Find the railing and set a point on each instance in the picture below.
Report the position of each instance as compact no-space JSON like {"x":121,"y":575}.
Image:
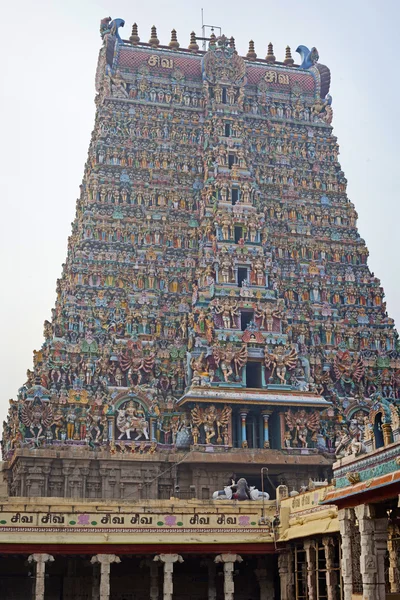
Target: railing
{"x":181,"y":494}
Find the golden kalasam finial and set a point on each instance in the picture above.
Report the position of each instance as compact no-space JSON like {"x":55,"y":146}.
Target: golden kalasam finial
{"x":174,"y":40}
{"x":270,"y":58}
{"x":288,"y":57}
{"x":232,"y":43}
{"x":134,"y":39}
{"x":154,"y":41}
{"x":193,"y":46}
{"x":213,"y":38}
{"x":251,"y":55}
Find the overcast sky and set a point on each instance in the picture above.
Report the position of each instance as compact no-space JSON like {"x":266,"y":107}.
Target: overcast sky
{"x":49,"y":55}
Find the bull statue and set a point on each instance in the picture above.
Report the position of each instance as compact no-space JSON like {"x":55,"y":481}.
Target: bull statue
{"x":240,"y":491}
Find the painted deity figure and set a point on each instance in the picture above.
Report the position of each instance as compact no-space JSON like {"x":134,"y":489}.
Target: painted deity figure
{"x":280,"y":362}
{"x":131,"y":418}
{"x":228,"y":311}
{"x":212,"y":421}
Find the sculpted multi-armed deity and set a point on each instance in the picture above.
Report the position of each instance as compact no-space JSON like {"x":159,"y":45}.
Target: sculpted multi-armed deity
{"x":280,"y":362}
{"x":230,"y":360}
{"x":214,"y":248}
{"x":214,"y":422}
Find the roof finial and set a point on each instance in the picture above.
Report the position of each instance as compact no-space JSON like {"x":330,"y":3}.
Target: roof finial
{"x":134,"y":39}
{"x":288,"y":57}
{"x":232,"y":43}
{"x":193,"y":46}
{"x":174,"y":40}
{"x":154,"y":41}
{"x":270,"y":58}
{"x":251,"y":55}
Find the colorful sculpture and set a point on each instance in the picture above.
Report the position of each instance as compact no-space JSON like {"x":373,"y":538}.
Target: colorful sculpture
{"x":213,"y":248}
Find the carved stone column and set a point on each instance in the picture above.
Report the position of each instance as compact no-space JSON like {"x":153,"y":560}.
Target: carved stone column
{"x":212,"y":589}
{"x":96,"y":582}
{"x":153,"y":566}
{"x":368,"y":562}
{"x":168,"y":560}
{"x":393,"y":550}
{"x":345,"y":527}
{"x":228,"y":561}
{"x":40,"y":560}
{"x":243,"y":416}
{"x":266,"y":415}
{"x":105,"y":561}
{"x":309,"y":547}
{"x":285,"y":566}
{"x":381,"y":540}
{"x":265,"y":583}
{"x":331,"y":574}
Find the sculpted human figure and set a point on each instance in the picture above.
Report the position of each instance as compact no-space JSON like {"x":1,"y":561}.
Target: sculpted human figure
{"x":228,"y":310}
{"x":280,"y":362}
{"x":212,"y":420}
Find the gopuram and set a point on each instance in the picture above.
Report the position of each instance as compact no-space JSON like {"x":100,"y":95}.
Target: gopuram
{"x":214,"y":412}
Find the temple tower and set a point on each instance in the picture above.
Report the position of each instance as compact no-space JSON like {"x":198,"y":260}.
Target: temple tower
{"x":216,"y":295}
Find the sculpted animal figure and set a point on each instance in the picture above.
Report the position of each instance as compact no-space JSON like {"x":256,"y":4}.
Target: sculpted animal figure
{"x":111,"y":26}
{"x":308,"y":57}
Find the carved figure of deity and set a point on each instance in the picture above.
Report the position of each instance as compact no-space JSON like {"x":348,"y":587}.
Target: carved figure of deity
{"x":348,"y":371}
{"x":227,"y":356}
{"x":131,"y":418}
{"x":267,"y":314}
{"x":228,"y":310}
{"x":212,"y":420}
{"x":36,"y":415}
{"x":280,"y":362}
{"x":300,"y":423}
{"x":135,"y":363}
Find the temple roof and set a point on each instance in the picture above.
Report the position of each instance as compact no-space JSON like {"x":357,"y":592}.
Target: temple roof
{"x":254,"y":396}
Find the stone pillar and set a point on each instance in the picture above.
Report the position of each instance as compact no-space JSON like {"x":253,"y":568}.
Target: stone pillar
{"x":387,"y":434}
{"x":266,"y":416}
{"x":285,"y":567}
{"x":345,"y":526}
{"x":228,"y":561}
{"x":243,"y":416}
{"x":331,"y":574}
{"x":168,"y":560}
{"x":40,"y":560}
{"x":381,"y":541}
{"x":368,"y":562}
{"x":212,"y":589}
{"x":309,"y":547}
{"x":393,"y":561}
{"x":265,"y":583}
{"x":96,"y":582}
{"x":105,"y":561}
{"x":153,"y":566}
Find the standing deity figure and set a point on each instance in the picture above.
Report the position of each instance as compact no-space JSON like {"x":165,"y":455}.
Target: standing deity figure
{"x":135,"y":364}
{"x":226,"y":270}
{"x":267,"y":314}
{"x":280,"y":362}
{"x":228,"y":356}
{"x":36,"y":415}
{"x":71,"y":420}
{"x":228,"y":312}
{"x":301,"y":423}
{"x":212,"y":420}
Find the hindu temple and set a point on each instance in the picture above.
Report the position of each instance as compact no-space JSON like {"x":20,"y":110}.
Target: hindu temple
{"x":214,"y":411}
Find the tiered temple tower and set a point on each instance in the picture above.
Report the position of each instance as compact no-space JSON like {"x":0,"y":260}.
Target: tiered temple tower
{"x":216,"y":297}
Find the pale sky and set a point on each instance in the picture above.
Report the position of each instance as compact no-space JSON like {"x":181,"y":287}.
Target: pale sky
{"x":49,"y":55}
